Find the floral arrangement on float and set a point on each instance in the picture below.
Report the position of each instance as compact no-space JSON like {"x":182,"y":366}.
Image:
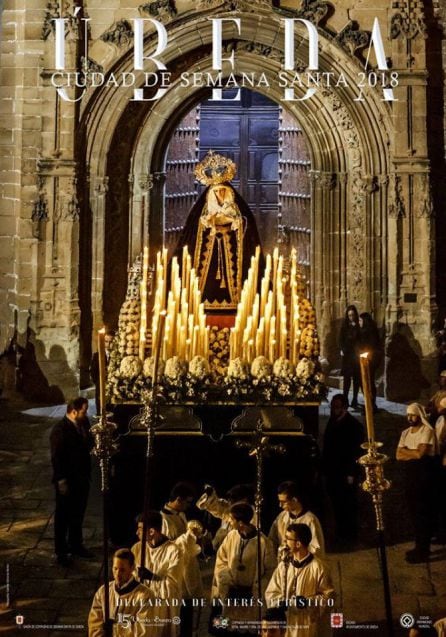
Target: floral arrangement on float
{"x":271,"y":354}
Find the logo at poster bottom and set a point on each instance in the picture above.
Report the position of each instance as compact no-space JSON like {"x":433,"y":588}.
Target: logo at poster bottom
{"x":19,"y":619}
{"x":407,"y":620}
{"x":336,"y":620}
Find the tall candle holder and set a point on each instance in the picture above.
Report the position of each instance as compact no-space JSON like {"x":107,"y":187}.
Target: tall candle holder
{"x":148,"y":420}
{"x":375,"y":482}
{"x":259,"y":447}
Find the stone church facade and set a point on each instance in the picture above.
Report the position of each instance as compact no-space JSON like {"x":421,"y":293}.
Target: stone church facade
{"x":83,"y":183}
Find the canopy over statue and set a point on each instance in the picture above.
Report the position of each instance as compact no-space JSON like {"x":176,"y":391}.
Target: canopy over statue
{"x":221,"y":235}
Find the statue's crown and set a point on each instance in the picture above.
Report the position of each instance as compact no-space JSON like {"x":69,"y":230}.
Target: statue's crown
{"x":215,"y":169}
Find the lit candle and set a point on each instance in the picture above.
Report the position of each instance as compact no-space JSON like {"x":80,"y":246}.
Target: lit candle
{"x":272,"y":351}
{"x":250,"y":350}
{"x":102,"y":371}
{"x":367,"y":391}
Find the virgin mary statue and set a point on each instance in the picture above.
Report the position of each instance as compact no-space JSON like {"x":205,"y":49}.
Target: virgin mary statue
{"x":221,"y":235}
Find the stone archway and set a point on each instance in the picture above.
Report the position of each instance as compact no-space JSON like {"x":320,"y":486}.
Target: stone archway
{"x":349,"y":152}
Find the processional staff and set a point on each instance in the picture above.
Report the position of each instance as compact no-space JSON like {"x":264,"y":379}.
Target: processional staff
{"x":148,"y":420}
{"x":104,"y":447}
{"x":259,"y":448}
{"x":375,"y":482}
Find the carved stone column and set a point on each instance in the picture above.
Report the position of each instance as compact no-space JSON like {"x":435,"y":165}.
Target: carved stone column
{"x":139,"y":207}
{"x":324,"y":237}
{"x":98,"y":199}
{"x":411,"y":309}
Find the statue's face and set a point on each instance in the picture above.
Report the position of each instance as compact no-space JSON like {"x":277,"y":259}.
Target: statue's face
{"x":221,"y":208}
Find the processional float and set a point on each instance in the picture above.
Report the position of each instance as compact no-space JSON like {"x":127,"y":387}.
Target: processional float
{"x":170,"y":349}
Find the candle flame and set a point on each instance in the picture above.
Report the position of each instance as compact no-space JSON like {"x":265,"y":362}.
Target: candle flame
{"x":364,"y":355}
{"x":102,"y":331}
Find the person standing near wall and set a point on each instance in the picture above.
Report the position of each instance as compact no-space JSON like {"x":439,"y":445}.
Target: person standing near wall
{"x":349,"y":340}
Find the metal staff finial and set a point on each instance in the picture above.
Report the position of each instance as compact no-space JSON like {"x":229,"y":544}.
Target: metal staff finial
{"x":148,"y":420}
{"x":259,"y":448}
{"x":104,"y":447}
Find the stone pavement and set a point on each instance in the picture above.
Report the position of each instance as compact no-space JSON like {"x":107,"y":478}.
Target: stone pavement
{"x":55,"y":601}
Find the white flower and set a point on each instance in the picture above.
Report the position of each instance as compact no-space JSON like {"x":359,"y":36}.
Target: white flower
{"x":261,"y":367}
{"x":305,"y":369}
{"x":199,"y":367}
{"x":147,"y":369}
{"x":130,"y":367}
{"x":282,"y":368}
{"x":238,"y":369}
{"x":175,"y":368}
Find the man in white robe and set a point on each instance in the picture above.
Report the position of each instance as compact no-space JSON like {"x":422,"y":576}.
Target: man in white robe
{"x":173,"y":512}
{"x":416,"y":452}
{"x":235,"y":583}
{"x":220,"y":507}
{"x":301,"y":584}
{"x":294,"y":512}
{"x":130,"y":603}
{"x":163,"y":572}
{"x":176,"y":528}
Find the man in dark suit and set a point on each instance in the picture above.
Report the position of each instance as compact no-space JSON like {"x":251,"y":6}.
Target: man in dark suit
{"x":342,"y":448}
{"x":71,"y":443}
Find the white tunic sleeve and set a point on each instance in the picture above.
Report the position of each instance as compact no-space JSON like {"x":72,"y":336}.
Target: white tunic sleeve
{"x":218,"y":507}
{"x":274,"y":534}
{"x":96,"y":615}
{"x":276,"y":591}
{"x":222,"y":571}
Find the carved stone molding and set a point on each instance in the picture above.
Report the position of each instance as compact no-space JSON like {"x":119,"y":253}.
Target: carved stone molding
{"x":120,"y":34}
{"x":325,"y":180}
{"x":209,"y":4}
{"x":52,"y":12}
{"x":397,"y":206}
{"x":145,"y":182}
{"x":247,"y":6}
{"x":160,"y":9}
{"x":409,"y":21}
{"x":101,"y":185}
{"x":255,"y":47}
{"x":71,"y":208}
{"x":352,"y":39}
{"x":90,"y":66}
{"x":313,"y":10}
{"x":426,"y":206}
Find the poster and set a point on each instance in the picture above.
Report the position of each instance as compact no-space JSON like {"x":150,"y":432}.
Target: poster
{"x":333,"y":117}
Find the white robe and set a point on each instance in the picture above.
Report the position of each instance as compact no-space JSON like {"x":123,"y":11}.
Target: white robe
{"x":230,"y":556}
{"x":166,"y":563}
{"x":131,"y":612}
{"x":191,"y":577}
{"x":174,"y":523}
{"x":283,"y":521}
{"x":440,"y":433}
{"x":227,"y":575}
{"x":175,"y":528}
{"x":311,"y":581}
